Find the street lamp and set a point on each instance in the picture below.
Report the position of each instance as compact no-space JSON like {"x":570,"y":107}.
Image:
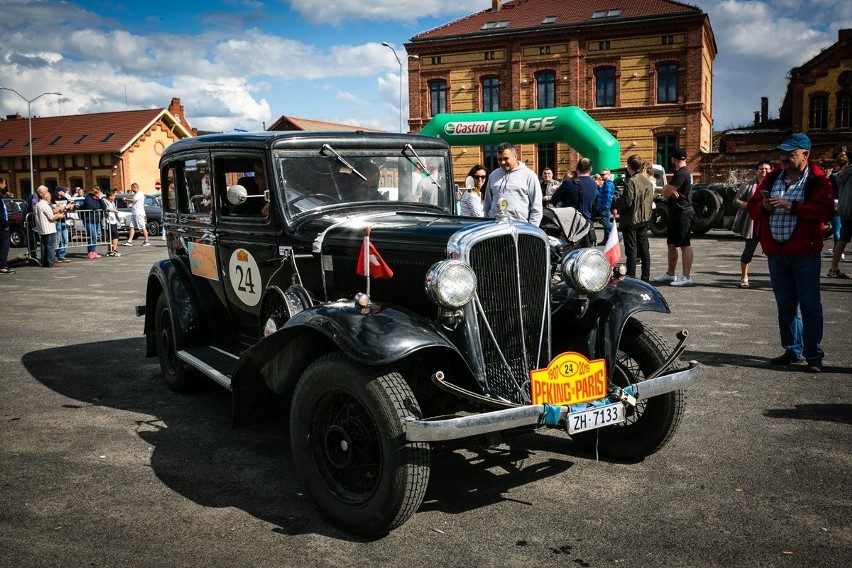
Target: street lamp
{"x":387,"y":45}
{"x":30,"y":124}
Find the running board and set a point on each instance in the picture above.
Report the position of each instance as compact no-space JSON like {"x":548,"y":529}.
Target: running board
{"x":213,"y":362}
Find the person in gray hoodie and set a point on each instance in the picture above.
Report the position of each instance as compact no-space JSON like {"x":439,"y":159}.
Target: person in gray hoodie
{"x":515,"y":183}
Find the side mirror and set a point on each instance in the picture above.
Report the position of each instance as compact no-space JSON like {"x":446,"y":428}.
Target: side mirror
{"x":237,"y":194}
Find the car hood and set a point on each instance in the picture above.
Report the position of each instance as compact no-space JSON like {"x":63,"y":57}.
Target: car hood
{"x":389,"y":230}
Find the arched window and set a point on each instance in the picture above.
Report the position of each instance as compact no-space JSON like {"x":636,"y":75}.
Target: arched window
{"x":545,"y":89}
{"x":437,"y":96}
{"x":605,"y":86}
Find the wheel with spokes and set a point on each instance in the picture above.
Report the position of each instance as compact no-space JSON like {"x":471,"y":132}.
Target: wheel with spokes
{"x":348,"y":440}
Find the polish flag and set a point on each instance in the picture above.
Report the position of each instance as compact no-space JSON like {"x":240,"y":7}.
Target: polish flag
{"x":612,"y":250}
{"x":378,"y":267}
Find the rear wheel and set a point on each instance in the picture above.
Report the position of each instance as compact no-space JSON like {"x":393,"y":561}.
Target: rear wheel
{"x":153,"y":228}
{"x":348,"y":439}
{"x":652,"y":422}
{"x":178,"y":377}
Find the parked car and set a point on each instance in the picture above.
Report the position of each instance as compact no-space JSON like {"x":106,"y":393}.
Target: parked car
{"x":153,"y":211}
{"x":392,"y":326}
{"x":17,"y":231}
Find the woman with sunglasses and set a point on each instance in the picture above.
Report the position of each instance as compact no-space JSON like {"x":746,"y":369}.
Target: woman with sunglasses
{"x":471,"y":200}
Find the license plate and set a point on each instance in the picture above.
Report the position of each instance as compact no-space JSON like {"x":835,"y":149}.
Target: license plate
{"x":595,"y":418}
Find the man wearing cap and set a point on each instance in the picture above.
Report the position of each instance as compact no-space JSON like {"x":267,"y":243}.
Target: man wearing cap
{"x":792,"y":203}
{"x":678,"y":195}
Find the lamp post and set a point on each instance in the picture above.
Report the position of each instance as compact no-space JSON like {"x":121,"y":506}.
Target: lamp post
{"x":387,"y":45}
{"x":30,"y":124}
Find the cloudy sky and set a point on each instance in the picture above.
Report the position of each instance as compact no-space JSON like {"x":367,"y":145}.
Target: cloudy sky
{"x":244,"y":63}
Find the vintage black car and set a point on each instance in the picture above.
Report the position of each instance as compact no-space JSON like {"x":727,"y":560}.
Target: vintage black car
{"x":466,"y":328}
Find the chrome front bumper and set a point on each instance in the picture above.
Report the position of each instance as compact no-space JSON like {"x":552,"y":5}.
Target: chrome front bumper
{"x":445,"y":429}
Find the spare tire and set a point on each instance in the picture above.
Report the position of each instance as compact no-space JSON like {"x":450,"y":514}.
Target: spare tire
{"x":659,"y":219}
{"x":708,"y":210}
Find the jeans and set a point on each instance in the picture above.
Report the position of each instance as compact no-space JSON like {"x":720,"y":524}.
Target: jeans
{"x":636,"y":244}
{"x":61,"y":239}
{"x":93,"y":228}
{"x":606,"y":223}
{"x":5,"y":240}
{"x":836,"y":223}
{"x":48,"y":249}
{"x":795,"y":282}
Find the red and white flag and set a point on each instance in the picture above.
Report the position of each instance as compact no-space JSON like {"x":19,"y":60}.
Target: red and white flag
{"x":612,"y":250}
{"x":378,"y":267}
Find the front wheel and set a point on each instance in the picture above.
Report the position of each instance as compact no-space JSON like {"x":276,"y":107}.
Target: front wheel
{"x":153,"y":228}
{"x":17,"y":238}
{"x":348,"y":439}
{"x":652,"y":422}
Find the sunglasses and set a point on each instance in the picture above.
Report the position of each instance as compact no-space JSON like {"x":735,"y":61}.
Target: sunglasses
{"x":479,"y":177}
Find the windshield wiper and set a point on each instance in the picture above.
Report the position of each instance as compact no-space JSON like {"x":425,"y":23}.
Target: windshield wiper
{"x":326,"y":148}
{"x":406,"y":150}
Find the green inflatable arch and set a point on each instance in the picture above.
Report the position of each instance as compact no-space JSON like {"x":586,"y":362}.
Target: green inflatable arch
{"x":564,"y":124}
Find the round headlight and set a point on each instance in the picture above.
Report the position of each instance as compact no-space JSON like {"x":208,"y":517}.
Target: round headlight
{"x":451,"y":283}
{"x":586,"y":270}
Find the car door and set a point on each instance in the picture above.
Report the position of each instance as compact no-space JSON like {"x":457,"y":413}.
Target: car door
{"x":248,"y":248}
{"x":191,"y":232}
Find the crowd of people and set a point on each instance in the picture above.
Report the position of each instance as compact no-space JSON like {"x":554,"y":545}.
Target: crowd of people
{"x":49,"y":222}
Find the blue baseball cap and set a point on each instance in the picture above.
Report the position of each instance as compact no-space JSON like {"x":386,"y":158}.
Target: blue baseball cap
{"x":795,"y":142}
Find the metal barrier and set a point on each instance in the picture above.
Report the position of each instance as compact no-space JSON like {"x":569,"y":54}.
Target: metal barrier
{"x":82,"y":229}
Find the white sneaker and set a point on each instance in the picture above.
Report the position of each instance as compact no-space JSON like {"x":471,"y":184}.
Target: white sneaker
{"x":664,"y":277}
{"x":146,"y":244}
{"x":682,"y":281}
{"x":128,"y":244}
{"x":829,"y":252}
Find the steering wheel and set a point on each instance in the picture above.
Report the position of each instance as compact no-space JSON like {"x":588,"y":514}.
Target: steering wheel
{"x":320,"y":196}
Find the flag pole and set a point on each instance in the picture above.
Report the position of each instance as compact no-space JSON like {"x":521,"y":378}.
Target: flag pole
{"x":366,"y":248}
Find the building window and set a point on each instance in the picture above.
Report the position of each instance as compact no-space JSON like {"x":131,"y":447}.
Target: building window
{"x":489,"y":157}
{"x":844,"y":111}
{"x":603,"y":45}
{"x":665,"y":146}
{"x":546,"y":89}
{"x":74,"y":162}
{"x":490,"y":94}
{"x":49,"y":162}
{"x":436,"y":60}
{"x":550,"y":19}
{"x":547,"y":157}
{"x":102,"y":183}
{"x":667,"y":40}
{"x":51,"y":183}
{"x":489,"y":56}
{"x":818,"y":112}
{"x":437,"y":97}
{"x":81,"y":138}
{"x":101,"y":160}
{"x":75,"y":182}
{"x":25,"y":165}
{"x":667,"y":83}
{"x":54,"y":141}
{"x":605,"y":87}
{"x":544,"y":50}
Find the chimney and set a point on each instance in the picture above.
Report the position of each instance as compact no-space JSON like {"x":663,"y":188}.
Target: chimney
{"x":495,"y":5}
{"x":756,"y":118}
{"x":764,"y":110}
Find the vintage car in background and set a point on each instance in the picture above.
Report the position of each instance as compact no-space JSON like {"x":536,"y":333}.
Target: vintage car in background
{"x":384,"y":325}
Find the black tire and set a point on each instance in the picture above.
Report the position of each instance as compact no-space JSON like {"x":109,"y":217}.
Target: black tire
{"x":659,"y":219}
{"x":17,"y":237}
{"x":652,"y":422}
{"x":178,"y":377}
{"x":708,"y":210}
{"x":153,"y":228}
{"x":348,"y":439}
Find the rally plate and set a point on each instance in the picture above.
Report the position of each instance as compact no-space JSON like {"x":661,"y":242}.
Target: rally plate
{"x":597,"y":417}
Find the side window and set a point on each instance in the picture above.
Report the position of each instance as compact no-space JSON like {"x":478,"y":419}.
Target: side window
{"x":194,"y":195}
{"x":251,"y":173}
{"x":168,"y":194}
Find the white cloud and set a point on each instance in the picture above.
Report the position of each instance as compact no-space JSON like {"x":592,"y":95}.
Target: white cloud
{"x":337,"y":11}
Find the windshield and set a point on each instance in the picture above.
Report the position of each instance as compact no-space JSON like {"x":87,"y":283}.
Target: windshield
{"x":336,"y":176}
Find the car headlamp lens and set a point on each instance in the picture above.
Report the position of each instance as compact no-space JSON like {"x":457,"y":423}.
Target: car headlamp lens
{"x":451,"y":283}
{"x":586,"y":270}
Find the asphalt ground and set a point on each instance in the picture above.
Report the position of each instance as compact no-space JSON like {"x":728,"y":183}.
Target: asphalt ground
{"x":102,"y":465}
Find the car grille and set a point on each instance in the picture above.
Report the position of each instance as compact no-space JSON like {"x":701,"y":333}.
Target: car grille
{"x":512,"y":313}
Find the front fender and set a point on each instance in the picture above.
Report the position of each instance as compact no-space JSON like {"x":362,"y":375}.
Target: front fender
{"x":592,"y":324}
{"x":378,"y":335}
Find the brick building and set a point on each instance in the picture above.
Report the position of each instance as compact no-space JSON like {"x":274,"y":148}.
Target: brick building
{"x":106,"y":149}
{"x":642,"y":68}
{"x":818,"y":102}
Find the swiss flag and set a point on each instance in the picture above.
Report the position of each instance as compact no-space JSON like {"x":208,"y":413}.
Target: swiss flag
{"x":612,"y":250}
{"x":378,"y":267}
